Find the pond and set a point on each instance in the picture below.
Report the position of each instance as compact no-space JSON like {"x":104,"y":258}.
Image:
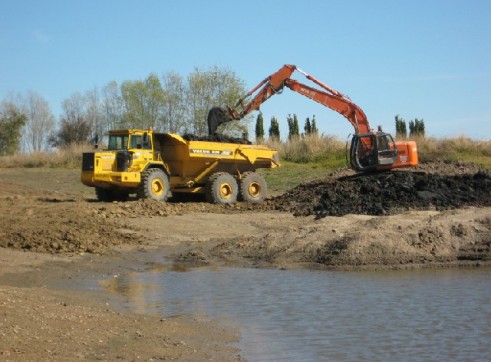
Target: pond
{"x":293,"y":315}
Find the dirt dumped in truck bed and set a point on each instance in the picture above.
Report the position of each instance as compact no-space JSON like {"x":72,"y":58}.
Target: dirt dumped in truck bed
{"x":217,"y":137}
{"x":386,"y":193}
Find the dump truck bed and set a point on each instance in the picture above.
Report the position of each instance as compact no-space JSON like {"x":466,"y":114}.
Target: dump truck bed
{"x":188,"y":159}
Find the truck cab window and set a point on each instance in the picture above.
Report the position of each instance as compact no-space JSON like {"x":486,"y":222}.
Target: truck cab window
{"x":117,"y":142}
{"x":137,"y":141}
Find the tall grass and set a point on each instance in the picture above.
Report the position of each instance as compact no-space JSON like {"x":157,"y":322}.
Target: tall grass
{"x":326,"y":152}
{"x":329,"y":150}
{"x":69,"y":157}
{"x":460,"y":148}
{"x":311,"y":149}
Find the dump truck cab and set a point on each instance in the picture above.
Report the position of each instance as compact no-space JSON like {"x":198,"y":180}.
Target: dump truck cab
{"x":151,"y":164}
{"x":116,"y":172}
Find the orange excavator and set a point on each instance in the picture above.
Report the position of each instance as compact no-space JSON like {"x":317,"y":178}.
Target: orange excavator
{"x":370,"y":150}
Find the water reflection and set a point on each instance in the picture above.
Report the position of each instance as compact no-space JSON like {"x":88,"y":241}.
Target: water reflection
{"x":319,"y":315}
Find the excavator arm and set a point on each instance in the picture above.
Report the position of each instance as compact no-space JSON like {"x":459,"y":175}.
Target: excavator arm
{"x":274,"y":84}
{"x":370,"y":151}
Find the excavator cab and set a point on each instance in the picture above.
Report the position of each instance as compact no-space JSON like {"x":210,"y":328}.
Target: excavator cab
{"x":373,"y":151}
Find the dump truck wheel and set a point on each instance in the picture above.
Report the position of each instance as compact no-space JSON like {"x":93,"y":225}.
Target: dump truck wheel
{"x":222,"y":188}
{"x":154,"y":185}
{"x":253,"y":187}
{"x":104,"y":195}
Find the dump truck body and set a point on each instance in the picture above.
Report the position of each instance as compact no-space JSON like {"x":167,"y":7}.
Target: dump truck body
{"x":145,"y":163}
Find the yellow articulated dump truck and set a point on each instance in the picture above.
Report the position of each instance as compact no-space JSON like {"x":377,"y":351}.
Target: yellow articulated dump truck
{"x":151,"y":165}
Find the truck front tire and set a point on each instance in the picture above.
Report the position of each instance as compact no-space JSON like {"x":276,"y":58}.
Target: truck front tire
{"x":154,"y":185}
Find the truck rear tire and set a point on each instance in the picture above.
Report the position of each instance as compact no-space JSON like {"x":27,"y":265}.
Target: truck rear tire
{"x":253,"y":188}
{"x":222,"y":188}
{"x":154,"y":185}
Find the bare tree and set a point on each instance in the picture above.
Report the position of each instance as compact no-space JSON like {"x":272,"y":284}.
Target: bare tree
{"x":113,"y":107}
{"x":174,"y":106}
{"x":94,"y":114}
{"x":75,"y":126}
{"x":40,"y":122}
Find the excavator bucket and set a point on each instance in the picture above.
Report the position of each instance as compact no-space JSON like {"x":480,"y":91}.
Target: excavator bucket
{"x":216,"y":117}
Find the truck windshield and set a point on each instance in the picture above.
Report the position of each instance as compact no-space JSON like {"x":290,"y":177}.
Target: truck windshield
{"x":118,"y":142}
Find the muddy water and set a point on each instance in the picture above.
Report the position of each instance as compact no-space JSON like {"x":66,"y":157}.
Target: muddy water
{"x":323,"y":315}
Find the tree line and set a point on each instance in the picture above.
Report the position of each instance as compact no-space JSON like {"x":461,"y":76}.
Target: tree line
{"x":170,"y":103}
{"x":416,"y":128}
{"x":310,"y":127}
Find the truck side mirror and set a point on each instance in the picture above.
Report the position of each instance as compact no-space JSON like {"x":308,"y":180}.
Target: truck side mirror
{"x":96,"y":141}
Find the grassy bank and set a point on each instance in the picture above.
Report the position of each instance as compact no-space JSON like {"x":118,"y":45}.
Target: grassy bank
{"x":462,"y":149}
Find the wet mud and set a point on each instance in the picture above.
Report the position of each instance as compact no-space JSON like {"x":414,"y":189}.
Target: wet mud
{"x":386,"y":193}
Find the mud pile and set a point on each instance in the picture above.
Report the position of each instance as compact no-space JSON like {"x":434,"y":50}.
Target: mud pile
{"x":386,"y":193}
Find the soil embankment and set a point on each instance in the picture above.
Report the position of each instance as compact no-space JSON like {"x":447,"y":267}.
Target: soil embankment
{"x":437,"y":215}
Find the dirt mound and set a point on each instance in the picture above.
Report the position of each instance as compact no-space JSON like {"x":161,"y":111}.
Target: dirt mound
{"x":51,"y":222}
{"x":386,"y":193}
{"x":44,"y":221}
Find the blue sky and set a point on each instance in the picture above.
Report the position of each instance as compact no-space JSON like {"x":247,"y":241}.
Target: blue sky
{"x":420,"y":59}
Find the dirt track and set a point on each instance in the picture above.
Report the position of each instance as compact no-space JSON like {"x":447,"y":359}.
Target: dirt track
{"x":439,"y":215}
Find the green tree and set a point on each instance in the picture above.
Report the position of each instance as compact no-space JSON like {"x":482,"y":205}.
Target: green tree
{"x":401,"y":129}
{"x":417,"y":128}
{"x":207,"y":89}
{"x":259,"y":128}
{"x":143,"y":102}
{"x":293,"y":130}
{"x":274,"y":129}
{"x":314,"y":129}
{"x":308,"y":127}
{"x":12,"y":119}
